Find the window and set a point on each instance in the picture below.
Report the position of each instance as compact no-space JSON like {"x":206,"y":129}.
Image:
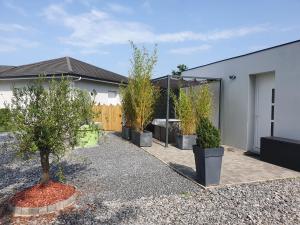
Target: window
{"x":272,"y":111}
{"x":112,"y":94}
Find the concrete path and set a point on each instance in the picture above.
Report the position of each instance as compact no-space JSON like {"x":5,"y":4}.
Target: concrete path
{"x":237,"y":167}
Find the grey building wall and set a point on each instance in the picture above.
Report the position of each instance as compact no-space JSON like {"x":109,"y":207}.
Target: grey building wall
{"x":237,"y":95}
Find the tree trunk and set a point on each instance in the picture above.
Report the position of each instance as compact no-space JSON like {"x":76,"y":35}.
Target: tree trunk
{"x":45,"y":166}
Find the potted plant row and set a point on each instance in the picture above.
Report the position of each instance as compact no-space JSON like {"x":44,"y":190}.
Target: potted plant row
{"x":139,"y":97}
{"x":208,"y":153}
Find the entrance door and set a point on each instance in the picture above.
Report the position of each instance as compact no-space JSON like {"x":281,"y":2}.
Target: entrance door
{"x":264,"y":107}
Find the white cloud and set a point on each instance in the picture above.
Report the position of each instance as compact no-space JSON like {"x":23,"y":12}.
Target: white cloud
{"x":11,"y":27}
{"x":10,"y":4}
{"x":190,"y":50}
{"x":95,"y":28}
{"x":114,"y":7}
{"x":14,"y":44}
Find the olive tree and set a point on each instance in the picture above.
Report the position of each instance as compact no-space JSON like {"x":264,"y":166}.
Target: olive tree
{"x":46,"y":116}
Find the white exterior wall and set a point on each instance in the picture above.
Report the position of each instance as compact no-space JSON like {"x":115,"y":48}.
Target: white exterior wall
{"x":101,"y":89}
{"x":237,"y":95}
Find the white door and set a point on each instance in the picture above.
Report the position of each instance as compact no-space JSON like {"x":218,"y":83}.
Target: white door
{"x":264,"y":108}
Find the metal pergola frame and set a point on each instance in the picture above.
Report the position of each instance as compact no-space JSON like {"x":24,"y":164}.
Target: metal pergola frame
{"x":181,"y":77}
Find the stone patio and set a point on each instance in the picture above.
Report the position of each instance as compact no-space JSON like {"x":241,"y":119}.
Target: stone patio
{"x":237,"y":167}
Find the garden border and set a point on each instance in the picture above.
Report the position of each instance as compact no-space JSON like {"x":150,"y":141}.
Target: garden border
{"x":35,"y":211}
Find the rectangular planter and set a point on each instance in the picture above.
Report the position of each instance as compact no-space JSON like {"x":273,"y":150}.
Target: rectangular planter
{"x":143,"y":139}
{"x":208,"y":164}
{"x":186,"y":142}
{"x":126,"y":133}
{"x":281,"y":151}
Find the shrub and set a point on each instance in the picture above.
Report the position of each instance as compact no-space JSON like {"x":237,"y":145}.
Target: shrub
{"x":207,"y":135}
{"x":47,"y":120}
{"x":143,"y":94}
{"x":5,"y":117}
{"x":184,"y":111}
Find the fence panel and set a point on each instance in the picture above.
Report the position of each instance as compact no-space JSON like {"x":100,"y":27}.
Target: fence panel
{"x":110,"y":116}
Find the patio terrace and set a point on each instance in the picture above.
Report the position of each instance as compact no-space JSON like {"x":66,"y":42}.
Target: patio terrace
{"x":237,"y":166}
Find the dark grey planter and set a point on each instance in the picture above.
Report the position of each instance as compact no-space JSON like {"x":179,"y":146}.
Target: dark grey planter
{"x":126,"y":133}
{"x":143,"y":139}
{"x":208,"y":164}
{"x":186,"y":142}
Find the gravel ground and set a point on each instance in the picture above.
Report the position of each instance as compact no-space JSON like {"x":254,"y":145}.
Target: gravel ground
{"x":121,"y":184}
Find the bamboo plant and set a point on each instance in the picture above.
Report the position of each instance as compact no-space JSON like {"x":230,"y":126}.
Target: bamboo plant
{"x":184,"y":111}
{"x":191,"y":106}
{"x":143,"y":94}
{"x":202,"y":102}
{"x":126,"y":105}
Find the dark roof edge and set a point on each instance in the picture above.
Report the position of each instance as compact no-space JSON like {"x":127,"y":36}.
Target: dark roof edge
{"x":58,"y":75}
{"x":250,"y":53}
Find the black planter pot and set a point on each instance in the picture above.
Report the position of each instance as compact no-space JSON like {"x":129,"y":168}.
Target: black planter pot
{"x":126,"y":133}
{"x":186,"y":142}
{"x":208,"y":164}
{"x":143,"y":139}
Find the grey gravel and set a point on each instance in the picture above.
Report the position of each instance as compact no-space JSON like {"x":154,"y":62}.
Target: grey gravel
{"x":122,"y":184}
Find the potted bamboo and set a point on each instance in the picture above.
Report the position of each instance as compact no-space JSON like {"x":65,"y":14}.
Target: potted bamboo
{"x":127,"y":112}
{"x":143,"y":95}
{"x":208,"y":153}
{"x":186,"y":138}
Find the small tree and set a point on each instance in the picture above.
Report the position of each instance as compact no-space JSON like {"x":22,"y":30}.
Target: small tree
{"x":143,"y":93}
{"x":184,"y":111}
{"x":47,"y":120}
{"x":180,"y":69}
{"x":207,"y":135}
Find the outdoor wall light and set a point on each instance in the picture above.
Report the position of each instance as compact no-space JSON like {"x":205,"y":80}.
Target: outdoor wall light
{"x":232,"y":77}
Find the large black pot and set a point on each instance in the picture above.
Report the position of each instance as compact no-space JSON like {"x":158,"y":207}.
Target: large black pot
{"x":126,"y":133}
{"x":186,"y":142}
{"x":141,"y":139}
{"x":208,"y":164}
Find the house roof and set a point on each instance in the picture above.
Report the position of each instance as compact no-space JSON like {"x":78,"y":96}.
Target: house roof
{"x":59,"y":66}
{"x":4,"y":68}
{"x":250,"y":53}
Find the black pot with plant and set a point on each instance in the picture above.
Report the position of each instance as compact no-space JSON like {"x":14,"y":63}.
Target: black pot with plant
{"x":186,"y":138}
{"x":208,"y":153}
{"x":142,"y":95}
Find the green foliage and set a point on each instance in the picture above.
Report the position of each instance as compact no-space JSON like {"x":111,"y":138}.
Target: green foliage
{"x":207,"y":135}
{"x":180,"y":69}
{"x":192,"y":105}
{"x":202,"y":101}
{"x":184,"y":111}
{"x":5,"y":117}
{"x":142,"y":93}
{"x":126,"y":104}
{"x":47,"y":120}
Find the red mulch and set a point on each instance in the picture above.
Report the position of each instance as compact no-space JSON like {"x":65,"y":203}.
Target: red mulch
{"x":42,"y":195}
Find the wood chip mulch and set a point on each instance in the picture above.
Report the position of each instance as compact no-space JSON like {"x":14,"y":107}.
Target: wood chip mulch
{"x":42,"y":195}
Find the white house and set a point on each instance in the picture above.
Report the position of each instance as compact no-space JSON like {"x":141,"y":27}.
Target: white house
{"x":84,"y":76}
{"x":260,"y":95}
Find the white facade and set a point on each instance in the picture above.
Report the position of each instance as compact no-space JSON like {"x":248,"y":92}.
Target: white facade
{"x":106,"y":93}
{"x":246,"y":104}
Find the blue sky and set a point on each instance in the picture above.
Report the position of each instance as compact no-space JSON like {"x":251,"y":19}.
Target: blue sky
{"x":97,"y":31}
